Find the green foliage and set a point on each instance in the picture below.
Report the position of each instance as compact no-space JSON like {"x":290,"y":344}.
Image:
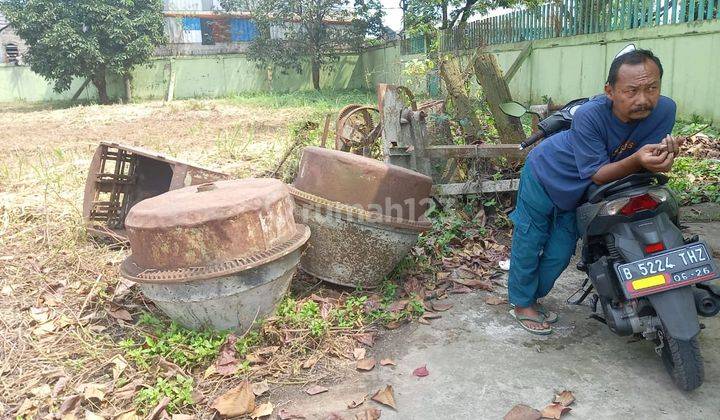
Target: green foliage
{"x":695,"y":181}
{"x":176,"y":344}
{"x":305,"y":315}
{"x":178,"y":388}
{"x":427,"y":16}
{"x":352,"y":313}
{"x":86,"y":39}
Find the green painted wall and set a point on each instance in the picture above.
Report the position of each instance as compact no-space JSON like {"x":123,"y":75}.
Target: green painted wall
{"x":572,"y":67}
{"x":200,"y":76}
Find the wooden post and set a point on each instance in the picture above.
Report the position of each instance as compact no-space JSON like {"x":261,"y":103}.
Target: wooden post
{"x":128,"y":88}
{"x":171,"y":83}
{"x":496,"y":92}
{"x":80,"y":90}
{"x":518,"y":62}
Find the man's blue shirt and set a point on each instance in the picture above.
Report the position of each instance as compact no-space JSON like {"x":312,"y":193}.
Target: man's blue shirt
{"x":565,"y":162}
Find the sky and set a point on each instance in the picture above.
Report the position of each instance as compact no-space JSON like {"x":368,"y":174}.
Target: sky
{"x":393,"y":14}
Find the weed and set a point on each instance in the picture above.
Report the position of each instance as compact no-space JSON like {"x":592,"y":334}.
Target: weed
{"x":176,"y":344}
{"x":352,"y":313}
{"x":179,"y":389}
{"x":695,"y":181}
{"x":306,"y":315}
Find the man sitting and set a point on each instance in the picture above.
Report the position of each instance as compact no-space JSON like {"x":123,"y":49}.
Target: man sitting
{"x":612,"y":136}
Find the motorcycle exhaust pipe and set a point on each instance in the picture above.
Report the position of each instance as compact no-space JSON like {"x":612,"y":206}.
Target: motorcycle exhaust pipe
{"x":705,"y":304}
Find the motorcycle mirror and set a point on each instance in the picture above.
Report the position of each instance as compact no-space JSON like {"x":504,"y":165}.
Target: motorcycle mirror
{"x":513,"y":109}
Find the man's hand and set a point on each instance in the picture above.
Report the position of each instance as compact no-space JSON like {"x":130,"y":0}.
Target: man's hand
{"x":657,"y":157}
{"x":673,"y":144}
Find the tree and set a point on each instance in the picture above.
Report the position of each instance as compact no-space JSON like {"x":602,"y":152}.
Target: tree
{"x":89,"y":39}
{"x":428,"y":16}
{"x":292,"y":32}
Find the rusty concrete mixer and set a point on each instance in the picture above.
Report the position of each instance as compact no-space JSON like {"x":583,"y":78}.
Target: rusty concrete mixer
{"x":365,"y":216}
{"x":217,"y":255}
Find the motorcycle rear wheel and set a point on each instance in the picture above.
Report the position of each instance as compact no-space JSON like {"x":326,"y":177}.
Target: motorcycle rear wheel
{"x":683,"y":361}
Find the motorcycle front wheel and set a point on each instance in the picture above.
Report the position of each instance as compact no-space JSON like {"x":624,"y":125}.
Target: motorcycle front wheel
{"x":683,"y":361}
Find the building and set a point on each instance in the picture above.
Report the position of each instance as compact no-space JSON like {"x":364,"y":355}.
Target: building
{"x":202,"y":27}
{"x":12,"y":47}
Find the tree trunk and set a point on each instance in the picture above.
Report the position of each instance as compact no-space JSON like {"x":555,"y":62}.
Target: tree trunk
{"x":101,"y":85}
{"x":460,"y":98}
{"x":316,"y":74}
{"x":496,"y":91}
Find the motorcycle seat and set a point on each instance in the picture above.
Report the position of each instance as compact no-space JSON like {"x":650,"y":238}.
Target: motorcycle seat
{"x":596,"y":193}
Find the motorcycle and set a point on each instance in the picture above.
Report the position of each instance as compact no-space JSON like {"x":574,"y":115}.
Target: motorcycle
{"x":643,"y":277}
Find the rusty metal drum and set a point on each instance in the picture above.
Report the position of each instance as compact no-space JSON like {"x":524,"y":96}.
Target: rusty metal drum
{"x":365,"y":216}
{"x":215,"y":255}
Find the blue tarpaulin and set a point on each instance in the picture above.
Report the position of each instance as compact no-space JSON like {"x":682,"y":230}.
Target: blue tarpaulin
{"x":242,"y":30}
{"x":191,"y":24}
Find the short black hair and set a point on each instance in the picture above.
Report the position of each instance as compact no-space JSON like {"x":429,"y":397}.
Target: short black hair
{"x":632,"y":57}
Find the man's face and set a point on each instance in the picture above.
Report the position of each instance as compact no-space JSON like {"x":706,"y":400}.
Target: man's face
{"x":636,"y":91}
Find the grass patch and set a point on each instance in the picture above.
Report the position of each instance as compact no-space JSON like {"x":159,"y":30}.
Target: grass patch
{"x":324,"y":101}
{"x":695,"y":180}
{"x":178,"y":388}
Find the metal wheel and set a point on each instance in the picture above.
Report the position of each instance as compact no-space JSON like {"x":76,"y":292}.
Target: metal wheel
{"x":358,"y":128}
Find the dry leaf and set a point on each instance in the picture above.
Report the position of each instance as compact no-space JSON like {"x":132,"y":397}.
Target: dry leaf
{"x":365,"y":338}
{"x":127,"y":415}
{"x":197,"y":397}
{"x":398,"y":306}
{"x":554,"y":411}
{"x":386,"y":362}
{"x":130,"y":415}
{"x":236,"y":402}
{"x":59,"y":386}
{"x":385,"y":396}
{"x":96,"y":391}
{"x":44,"y":329}
{"x":27,"y":408}
{"x":118,"y":312}
{"x":284,"y":414}
{"x":89,"y":415}
{"x":40,"y":315}
{"x":565,"y":398}
{"x":421,"y":372}
{"x":159,"y":408}
{"x":423,"y":321}
{"x":431,"y":315}
{"x":316,"y":389}
{"x":262,"y":410}
{"x":128,"y":391}
{"x":7,"y":290}
{"x":522,"y":412}
{"x":393,"y":325}
{"x":359,"y":353}
{"x":260,"y":388}
{"x":70,"y":404}
{"x":211,"y":370}
{"x":41,"y":391}
{"x":495,"y":300}
{"x":182,"y":417}
{"x":255,"y":359}
{"x":365,"y":364}
{"x":311,"y":361}
{"x":357,"y":402}
{"x":458,"y":289}
{"x":368,"y":414}
{"x":226,"y":363}
{"x":119,"y":365}
{"x":267,"y":350}
{"x":475,"y":283}
{"x":441,"y":307}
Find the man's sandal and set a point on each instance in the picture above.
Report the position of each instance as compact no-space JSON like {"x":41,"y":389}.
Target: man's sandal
{"x":539,"y":320}
{"x":550,"y":316}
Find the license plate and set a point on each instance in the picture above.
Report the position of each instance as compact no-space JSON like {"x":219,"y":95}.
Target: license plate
{"x":671,"y":269}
